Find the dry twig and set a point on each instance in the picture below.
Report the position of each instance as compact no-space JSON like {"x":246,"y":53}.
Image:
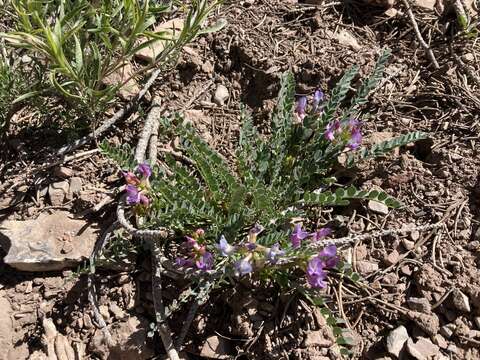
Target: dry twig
{"x":424,"y":45}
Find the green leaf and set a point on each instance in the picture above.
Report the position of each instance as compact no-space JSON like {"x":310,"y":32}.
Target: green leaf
{"x":383,"y":147}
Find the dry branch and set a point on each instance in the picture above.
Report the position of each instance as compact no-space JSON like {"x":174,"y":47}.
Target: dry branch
{"x":424,"y":45}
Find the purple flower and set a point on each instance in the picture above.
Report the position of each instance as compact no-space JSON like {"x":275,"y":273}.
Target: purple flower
{"x":329,"y":256}
{"x":251,"y":246}
{"x":181,"y":262}
{"x":332,"y":128}
{"x":321,"y":233}
{"x":205,"y":262}
{"x":274,"y":253}
{"x":317,"y":98}
{"x":300,"y":107}
{"x":298,"y":235}
{"x":144,"y":170}
{"x":315,"y":273}
{"x":243,"y":267}
{"x":190,"y":242}
{"x":225,"y":248}
{"x":133,"y":195}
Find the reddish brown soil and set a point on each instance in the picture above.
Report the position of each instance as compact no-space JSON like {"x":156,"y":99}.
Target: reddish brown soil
{"x":437,"y":179}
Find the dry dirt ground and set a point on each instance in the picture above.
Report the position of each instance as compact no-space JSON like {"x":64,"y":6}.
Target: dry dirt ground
{"x":428,"y":282}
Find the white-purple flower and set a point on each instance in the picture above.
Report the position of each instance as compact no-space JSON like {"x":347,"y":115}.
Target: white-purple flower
{"x":274,"y":253}
{"x":300,"y":108}
{"x":205,"y":261}
{"x":225,"y":248}
{"x":298,"y":235}
{"x":243,"y":267}
{"x":318,"y":97}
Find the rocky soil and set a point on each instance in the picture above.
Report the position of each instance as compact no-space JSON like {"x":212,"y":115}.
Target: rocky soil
{"x":420,"y":297}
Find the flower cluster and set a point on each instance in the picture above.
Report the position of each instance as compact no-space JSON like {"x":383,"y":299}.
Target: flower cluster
{"x":196,"y":254}
{"x":137,"y":186}
{"x":316,"y":274}
{"x":249,"y":255}
{"x":348,"y":132}
{"x":301,"y":105}
{"x":298,"y":235}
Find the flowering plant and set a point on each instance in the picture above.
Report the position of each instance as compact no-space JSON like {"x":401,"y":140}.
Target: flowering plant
{"x":254,"y":218}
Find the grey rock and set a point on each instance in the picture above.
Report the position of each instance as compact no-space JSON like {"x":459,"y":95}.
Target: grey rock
{"x":37,"y":245}
{"x":75,"y":187}
{"x":221,"y":95}
{"x":420,"y":304}
{"x":57,"y":192}
{"x":423,"y":349}
{"x":396,"y":340}
{"x":477,"y":321}
{"x":447,"y":330}
{"x":316,"y":338}
{"x":460,"y":301}
{"x":128,"y":341}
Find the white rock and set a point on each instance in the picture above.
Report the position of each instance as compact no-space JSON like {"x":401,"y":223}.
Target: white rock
{"x":221,"y":95}
{"x":378,"y":207}
{"x":216,"y":347}
{"x":396,"y":340}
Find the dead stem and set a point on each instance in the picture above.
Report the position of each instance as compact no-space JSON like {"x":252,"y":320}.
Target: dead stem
{"x":422,"y":42}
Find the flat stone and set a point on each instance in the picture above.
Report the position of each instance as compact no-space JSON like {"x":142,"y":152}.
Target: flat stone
{"x":63,"y":172}
{"x":216,"y":347}
{"x":440,"y":341}
{"x":316,"y":338}
{"x":366,"y":267}
{"x":117,"y":312}
{"x":221,"y":95}
{"x":423,"y":349}
{"x":149,"y":53}
{"x":129,"y":341}
{"x":460,"y":301}
{"x":378,"y":207}
{"x":419,"y":304}
{"x":426,"y":4}
{"x":119,"y":76}
{"x":396,"y":340}
{"x":392,"y":258}
{"x":57,"y":192}
{"x":37,"y":245}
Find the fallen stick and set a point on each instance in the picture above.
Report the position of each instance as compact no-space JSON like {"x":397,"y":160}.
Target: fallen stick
{"x":424,"y":45}
{"x":162,"y":324}
{"x":122,"y":113}
{"x":151,"y":122}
